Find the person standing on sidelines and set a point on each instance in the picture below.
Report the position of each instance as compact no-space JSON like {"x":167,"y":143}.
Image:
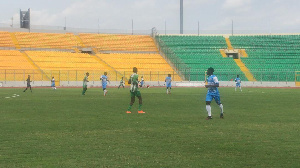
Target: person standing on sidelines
{"x":28,"y":84}
{"x":85,"y":81}
{"x":238,"y":82}
{"x":142,"y":81}
{"x":168,"y":81}
{"x":53,"y":83}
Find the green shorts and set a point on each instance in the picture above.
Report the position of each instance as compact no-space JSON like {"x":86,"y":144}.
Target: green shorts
{"x":136,"y":93}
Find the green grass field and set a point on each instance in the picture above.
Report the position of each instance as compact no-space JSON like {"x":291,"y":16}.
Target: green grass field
{"x":61,"y":128}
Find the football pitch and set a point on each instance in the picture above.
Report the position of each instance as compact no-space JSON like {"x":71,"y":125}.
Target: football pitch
{"x":62,"y":128}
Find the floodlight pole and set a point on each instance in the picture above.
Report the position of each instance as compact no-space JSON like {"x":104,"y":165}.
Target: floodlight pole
{"x":65,"y":23}
{"x":232,"y":27}
{"x":181,"y":16}
{"x":132,"y":26}
{"x":24,"y":19}
{"x":165,"y":27}
{"x":198,"y":28}
{"x":270,"y":26}
{"x":98,"y":25}
{"x":12,"y":22}
{"x":29,"y":24}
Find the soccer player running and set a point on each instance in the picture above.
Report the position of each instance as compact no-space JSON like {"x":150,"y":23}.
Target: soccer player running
{"x":168,"y":81}
{"x":53,"y":83}
{"x":104,"y":82}
{"x":134,"y":91}
{"x":238,"y":82}
{"x":28,"y":84}
{"x":212,"y":92}
{"x":85,"y":81}
{"x":121,"y":83}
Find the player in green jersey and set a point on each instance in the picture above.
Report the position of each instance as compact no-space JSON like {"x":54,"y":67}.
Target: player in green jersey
{"x":85,"y":81}
{"x":134,"y":91}
{"x":121,"y":83}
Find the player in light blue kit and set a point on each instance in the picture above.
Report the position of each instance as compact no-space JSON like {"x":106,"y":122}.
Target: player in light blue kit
{"x":104,"y":82}
{"x":212,"y":92}
{"x":142,"y":81}
{"x":53,"y":83}
{"x":238,"y":82}
{"x":168,"y":81}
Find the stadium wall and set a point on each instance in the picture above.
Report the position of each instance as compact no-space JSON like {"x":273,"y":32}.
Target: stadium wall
{"x":151,"y":84}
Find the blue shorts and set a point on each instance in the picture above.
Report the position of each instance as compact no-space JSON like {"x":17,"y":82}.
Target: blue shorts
{"x":52,"y":84}
{"x":210,"y":97}
{"x":142,"y":83}
{"x":169,"y":85}
{"x":238,"y":85}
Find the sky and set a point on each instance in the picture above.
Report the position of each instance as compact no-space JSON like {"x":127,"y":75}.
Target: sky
{"x":269,"y":15}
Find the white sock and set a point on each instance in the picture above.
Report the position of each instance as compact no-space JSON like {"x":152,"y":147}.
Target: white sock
{"x":241,"y":88}
{"x":221,"y":107}
{"x":208,"y":109}
{"x":167,"y":91}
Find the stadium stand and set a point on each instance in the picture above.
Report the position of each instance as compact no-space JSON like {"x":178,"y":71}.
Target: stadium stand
{"x":112,"y":42}
{"x":15,"y":67}
{"x":152,"y":66}
{"x":200,"y":53}
{"x":277,"y":56}
{"x":66,"y":41}
{"x":51,"y":60}
{"x":68,"y":65}
{"x":6,"y":40}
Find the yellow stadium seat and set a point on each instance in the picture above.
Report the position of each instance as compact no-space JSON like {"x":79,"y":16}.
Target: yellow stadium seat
{"x":6,"y":40}
{"x":112,"y":42}
{"x":15,"y":67}
{"x":146,"y":64}
{"x":46,"y":40}
{"x":66,"y":63}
